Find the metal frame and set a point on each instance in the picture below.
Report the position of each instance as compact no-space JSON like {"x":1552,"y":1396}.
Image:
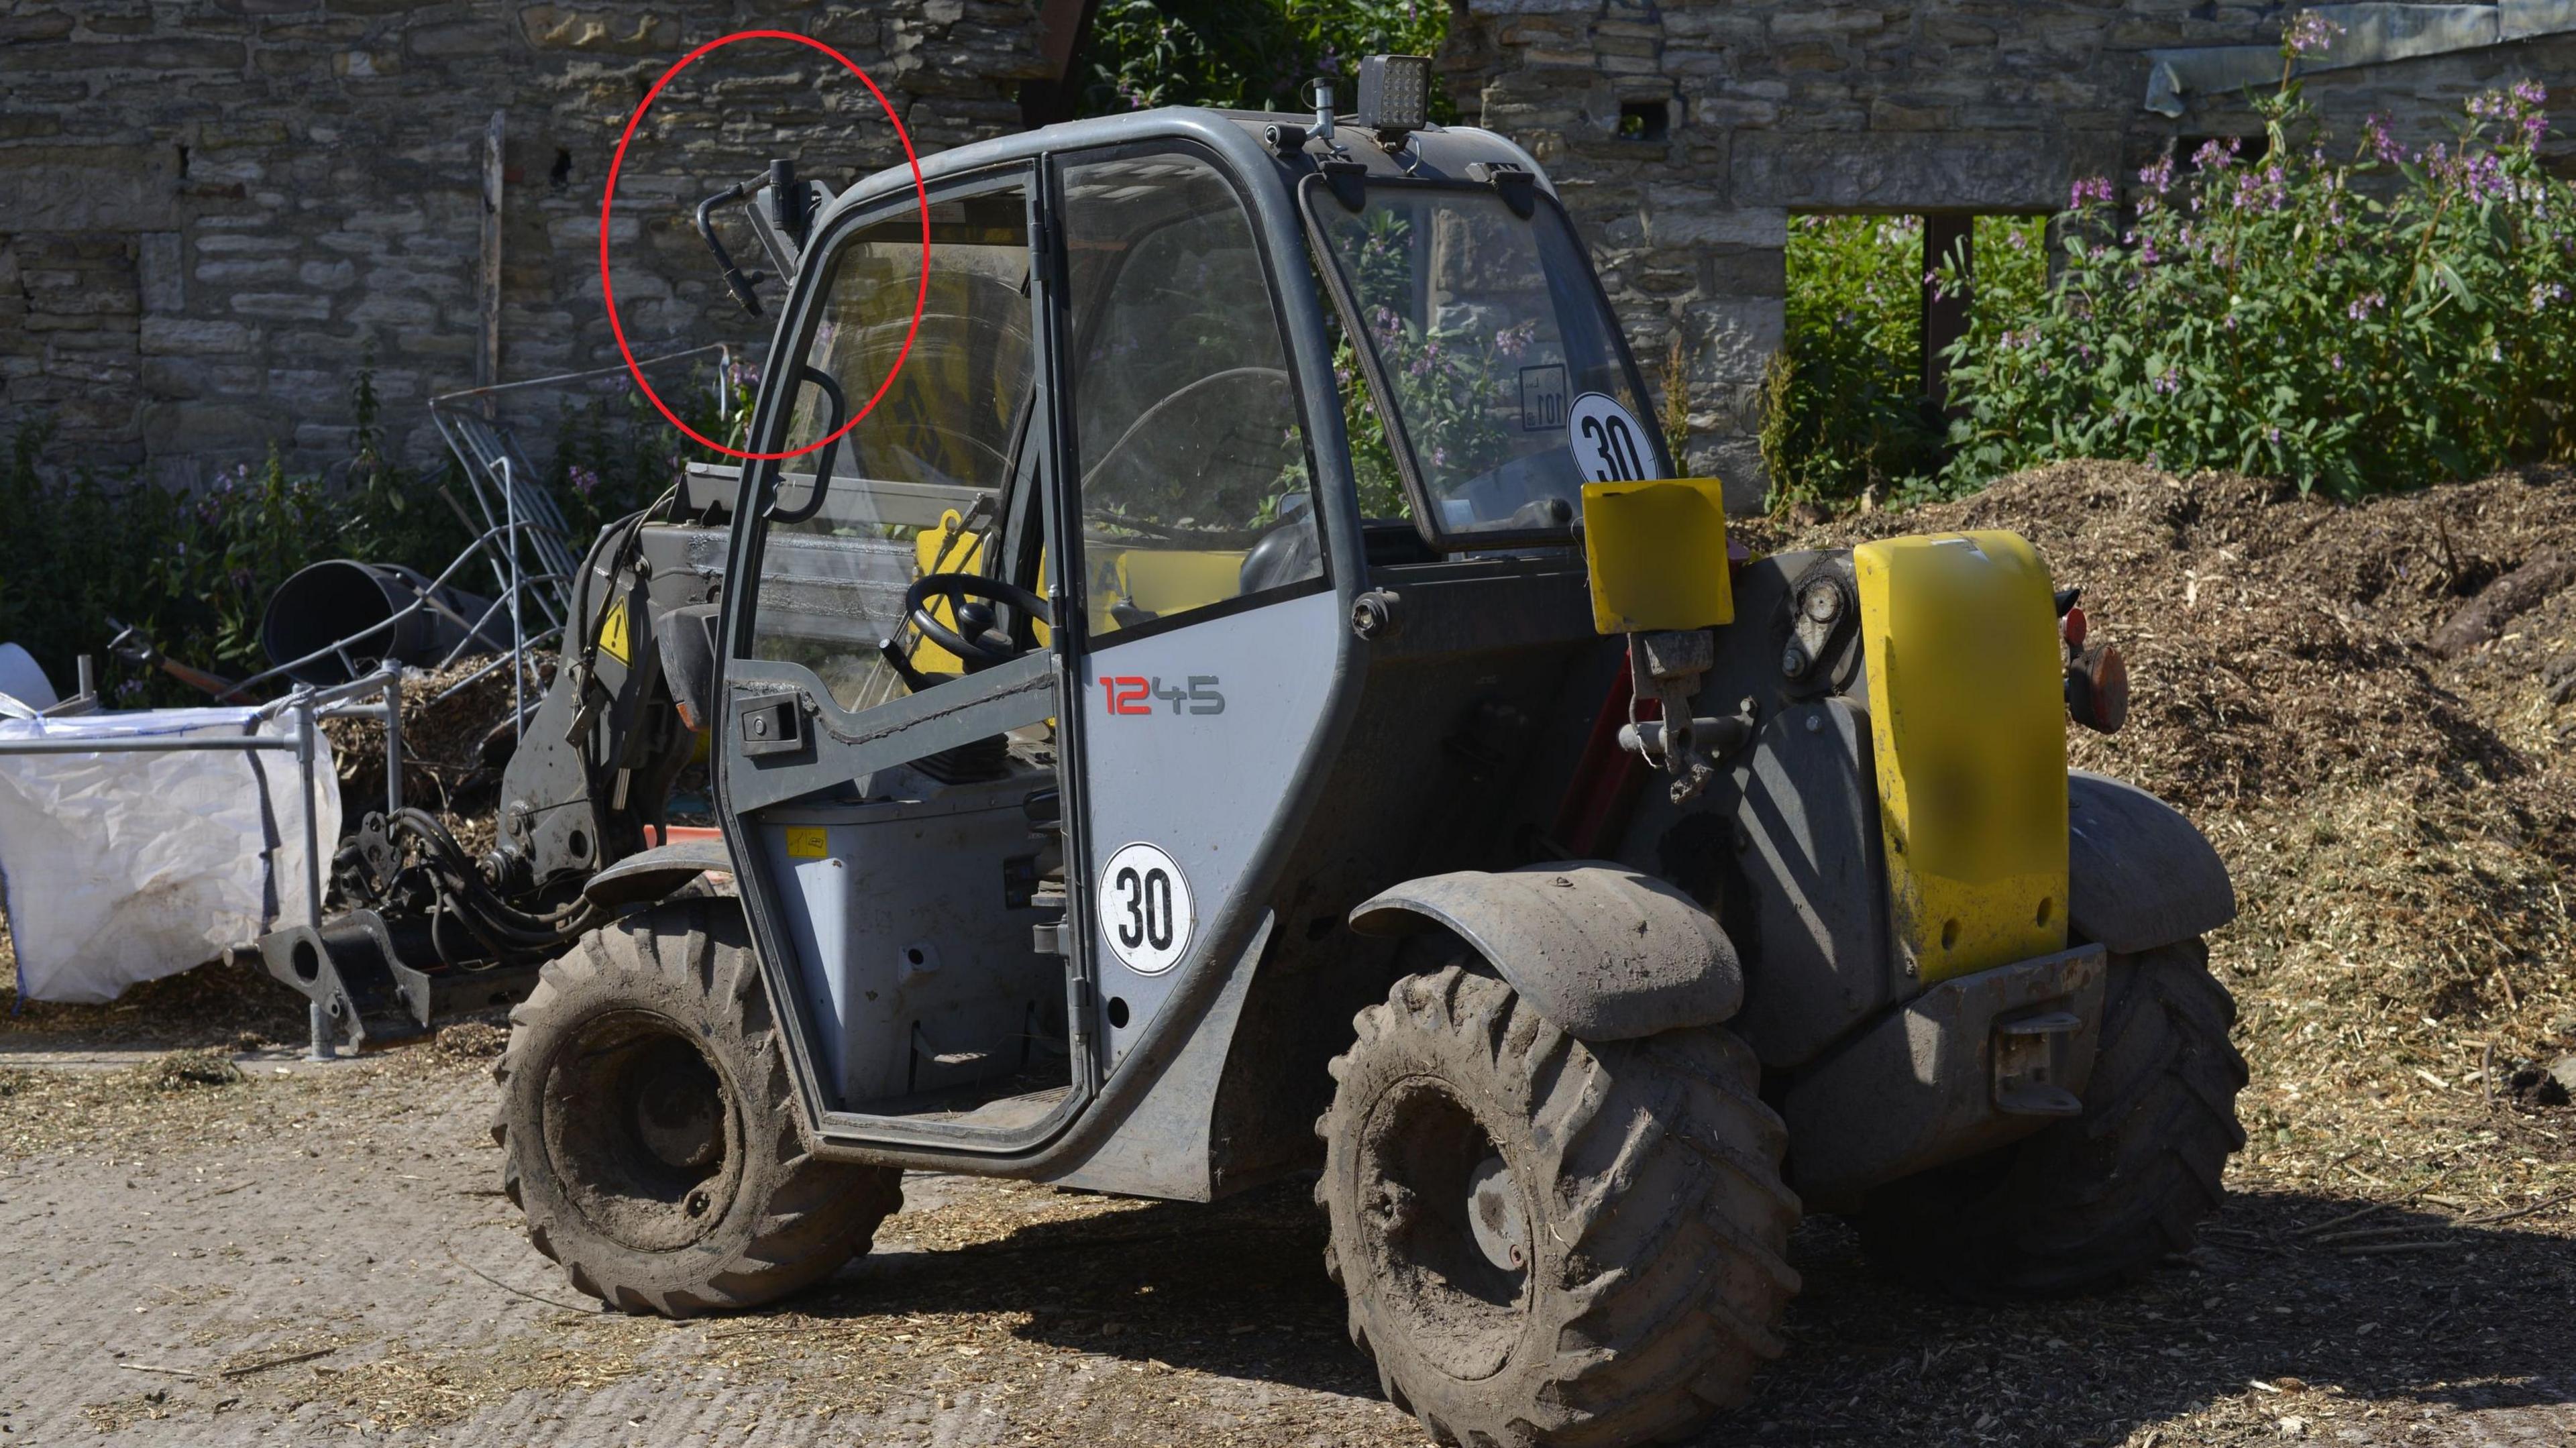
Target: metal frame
{"x":309,"y":706}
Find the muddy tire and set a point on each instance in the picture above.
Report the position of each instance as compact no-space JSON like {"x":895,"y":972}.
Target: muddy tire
{"x":649,"y":1131}
{"x":1635,"y":1183}
{"x":2094,"y":1200}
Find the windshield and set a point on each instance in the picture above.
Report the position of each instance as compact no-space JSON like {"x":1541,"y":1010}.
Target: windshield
{"x":1501,"y":365}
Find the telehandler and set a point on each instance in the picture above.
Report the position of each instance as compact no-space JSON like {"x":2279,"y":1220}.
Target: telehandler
{"x":1252,"y":693}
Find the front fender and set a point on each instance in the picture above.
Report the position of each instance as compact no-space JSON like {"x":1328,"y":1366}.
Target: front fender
{"x":1603,"y":952}
{"x":2138,"y":875}
{"x":649,"y":875}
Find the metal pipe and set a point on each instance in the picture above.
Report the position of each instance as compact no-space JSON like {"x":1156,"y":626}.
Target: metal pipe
{"x":518,"y":632}
{"x":322,"y":1047}
{"x":141,"y":745}
{"x":445,"y":398}
{"x":393,"y":742}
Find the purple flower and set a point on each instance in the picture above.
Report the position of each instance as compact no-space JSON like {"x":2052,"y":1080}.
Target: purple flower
{"x":2308,"y":33}
{"x":584,"y":481}
{"x":2088,"y":190}
{"x":2158,"y":175}
{"x":2217,"y":154}
{"x":2383,"y":146}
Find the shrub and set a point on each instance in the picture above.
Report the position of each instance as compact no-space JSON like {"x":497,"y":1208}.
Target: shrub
{"x":2369,"y":323}
{"x":1145,"y":53}
{"x":1843,"y":405}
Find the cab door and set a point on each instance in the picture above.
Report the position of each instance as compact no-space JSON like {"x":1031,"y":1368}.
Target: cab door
{"x":1208,"y":635}
{"x":892,"y":806}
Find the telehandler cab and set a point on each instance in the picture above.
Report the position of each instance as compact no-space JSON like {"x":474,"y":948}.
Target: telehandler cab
{"x":1209,"y":704}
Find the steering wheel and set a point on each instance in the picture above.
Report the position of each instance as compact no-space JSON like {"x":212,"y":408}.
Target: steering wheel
{"x":986,"y":645}
{"x":1258,"y":384}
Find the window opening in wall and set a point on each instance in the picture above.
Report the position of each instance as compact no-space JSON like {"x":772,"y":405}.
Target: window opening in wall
{"x":1853,"y":401}
{"x":1645,"y":120}
{"x":560,"y":176}
{"x":183,"y":163}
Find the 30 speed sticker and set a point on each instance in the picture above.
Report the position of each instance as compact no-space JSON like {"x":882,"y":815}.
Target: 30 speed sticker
{"x":1608,"y":442}
{"x":1145,"y":909}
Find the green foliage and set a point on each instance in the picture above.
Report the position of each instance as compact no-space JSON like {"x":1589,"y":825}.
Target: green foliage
{"x":1249,"y":56}
{"x":1843,"y":396}
{"x":2370,"y":323}
{"x":1843,"y":399}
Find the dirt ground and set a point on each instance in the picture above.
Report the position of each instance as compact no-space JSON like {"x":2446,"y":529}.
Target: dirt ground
{"x":317,"y":1252}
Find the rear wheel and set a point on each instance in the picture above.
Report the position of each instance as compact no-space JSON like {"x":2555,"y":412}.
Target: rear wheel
{"x":1546,"y":1241}
{"x":649,"y":1131}
{"x":2095,"y":1199}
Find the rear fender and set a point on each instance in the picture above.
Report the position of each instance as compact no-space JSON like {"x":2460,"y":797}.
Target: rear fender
{"x":1603,"y":952}
{"x":2138,"y":874}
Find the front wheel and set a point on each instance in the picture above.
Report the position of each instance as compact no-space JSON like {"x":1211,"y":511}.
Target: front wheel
{"x":649,"y":1132}
{"x":2095,"y":1199}
{"x":1547,"y":1241}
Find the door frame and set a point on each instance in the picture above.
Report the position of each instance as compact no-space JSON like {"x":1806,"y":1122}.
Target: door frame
{"x":1079,"y":1129}
{"x":840,"y":744}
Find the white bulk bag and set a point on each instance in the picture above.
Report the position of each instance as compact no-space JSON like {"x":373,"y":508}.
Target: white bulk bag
{"x":123,"y":867}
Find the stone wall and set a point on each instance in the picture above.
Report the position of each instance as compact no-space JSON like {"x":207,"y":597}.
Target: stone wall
{"x":211,"y":212}
{"x":1772,"y":107}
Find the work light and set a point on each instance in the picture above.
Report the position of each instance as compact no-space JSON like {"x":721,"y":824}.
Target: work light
{"x":1395,"y":91}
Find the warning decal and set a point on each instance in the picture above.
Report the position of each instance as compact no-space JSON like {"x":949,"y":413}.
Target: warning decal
{"x":612,"y":633}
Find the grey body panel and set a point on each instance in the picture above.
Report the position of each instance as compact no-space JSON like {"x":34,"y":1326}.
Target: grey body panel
{"x":915,"y":976}
{"x":2137,"y":874}
{"x":842,"y":746}
{"x":650,"y":875}
{"x":1204,"y":788}
{"x":1161,"y":1148}
{"x":1916,"y":1089}
{"x":1605,"y":953}
{"x":1784,"y":847}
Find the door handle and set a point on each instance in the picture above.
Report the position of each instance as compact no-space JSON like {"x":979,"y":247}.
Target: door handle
{"x":771,"y":724}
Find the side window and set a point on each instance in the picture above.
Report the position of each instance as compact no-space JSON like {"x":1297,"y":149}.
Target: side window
{"x":1193,"y":469}
{"x":917,"y":486}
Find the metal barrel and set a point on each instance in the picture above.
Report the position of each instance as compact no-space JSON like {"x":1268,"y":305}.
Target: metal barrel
{"x":361,"y":608}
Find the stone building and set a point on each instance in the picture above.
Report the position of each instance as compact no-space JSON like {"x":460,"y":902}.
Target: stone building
{"x":1685,"y":134}
{"x":212,"y":210}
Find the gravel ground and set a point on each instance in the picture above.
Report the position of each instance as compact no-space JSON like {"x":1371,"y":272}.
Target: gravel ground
{"x":313,"y":1252}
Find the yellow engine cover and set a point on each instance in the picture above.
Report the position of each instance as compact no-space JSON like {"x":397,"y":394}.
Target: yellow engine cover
{"x":1967,"y":717}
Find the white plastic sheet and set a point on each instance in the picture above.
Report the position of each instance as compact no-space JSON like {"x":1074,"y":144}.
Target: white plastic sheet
{"x":122,"y":867}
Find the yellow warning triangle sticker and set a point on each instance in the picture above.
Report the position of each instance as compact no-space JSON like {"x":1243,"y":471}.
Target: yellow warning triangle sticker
{"x":612,"y":632}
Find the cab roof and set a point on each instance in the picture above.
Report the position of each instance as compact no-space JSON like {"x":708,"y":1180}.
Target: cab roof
{"x":1242,"y":137}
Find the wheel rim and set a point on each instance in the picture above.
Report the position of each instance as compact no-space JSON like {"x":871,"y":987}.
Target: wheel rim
{"x":1443,"y":1220}
{"x":643,"y":1131}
